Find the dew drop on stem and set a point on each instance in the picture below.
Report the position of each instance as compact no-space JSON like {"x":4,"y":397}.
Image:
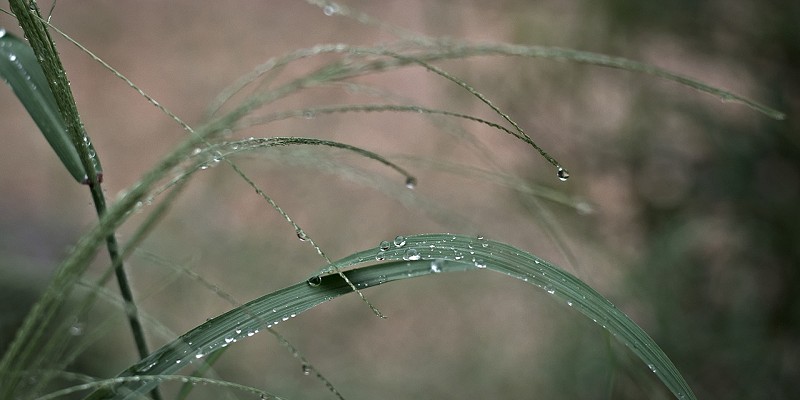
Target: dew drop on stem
{"x":563,"y":174}
{"x":330,"y":9}
{"x":411,"y":182}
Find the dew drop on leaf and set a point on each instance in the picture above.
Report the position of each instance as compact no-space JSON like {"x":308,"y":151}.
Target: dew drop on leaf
{"x":385,"y":245}
{"x":411,"y":255}
{"x":76,"y":329}
{"x":314,"y":281}
{"x":436,"y":265}
{"x":399,"y":241}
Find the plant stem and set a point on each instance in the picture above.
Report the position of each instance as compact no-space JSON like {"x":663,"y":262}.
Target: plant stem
{"x":29,"y":17}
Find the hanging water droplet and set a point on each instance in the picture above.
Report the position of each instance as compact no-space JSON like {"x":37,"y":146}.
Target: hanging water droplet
{"x":411,"y":255}
{"x":302,"y":235}
{"x":652,"y":367}
{"x":314,"y":281}
{"x":399,"y":241}
{"x":330,"y":9}
{"x":563,"y":174}
{"x":479,"y":263}
{"x":569,"y":303}
{"x":385,"y":245}
{"x":411,"y":182}
{"x":436,"y":265}
{"x":306,"y":369}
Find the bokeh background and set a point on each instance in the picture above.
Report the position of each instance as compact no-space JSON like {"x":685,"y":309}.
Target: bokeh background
{"x":688,"y":208}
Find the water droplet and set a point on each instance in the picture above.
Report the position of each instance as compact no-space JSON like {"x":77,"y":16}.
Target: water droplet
{"x":380,"y":256}
{"x":2,"y":32}
{"x":584,"y":208}
{"x":569,"y":303}
{"x":550,"y":289}
{"x":399,"y":241}
{"x":330,"y":9}
{"x":76,"y":329}
{"x":563,"y":174}
{"x":196,"y":151}
{"x":411,"y":182}
{"x":199,"y":355}
{"x":652,"y":367}
{"x":302,"y":235}
{"x":12,"y":57}
{"x":411,"y":255}
{"x":314,"y":281}
{"x":309,"y":114}
{"x":482,"y":241}
{"x":385,"y":245}
{"x":436,"y":265}
{"x":306,"y":369}
{"x":479,"y":263}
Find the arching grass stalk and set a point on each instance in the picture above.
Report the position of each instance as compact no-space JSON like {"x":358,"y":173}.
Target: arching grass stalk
{"x":404,"y":258}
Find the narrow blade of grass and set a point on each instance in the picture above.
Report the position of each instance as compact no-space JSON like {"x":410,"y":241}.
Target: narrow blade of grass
{"x":405,"y":258}
{"x":20,"y":69}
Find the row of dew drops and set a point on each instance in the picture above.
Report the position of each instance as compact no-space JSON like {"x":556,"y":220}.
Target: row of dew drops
{"x":412,"y":254}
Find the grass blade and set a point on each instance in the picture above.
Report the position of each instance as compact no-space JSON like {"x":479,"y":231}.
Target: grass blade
{"x":406,"y":258}
{"x":20,"y":69}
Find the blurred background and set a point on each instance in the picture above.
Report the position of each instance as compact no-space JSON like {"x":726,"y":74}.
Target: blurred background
{"x":684,"y":209}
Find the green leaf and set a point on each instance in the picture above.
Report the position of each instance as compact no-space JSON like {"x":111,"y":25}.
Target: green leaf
{"x":20,"y":69}
{"x":405,"y":258}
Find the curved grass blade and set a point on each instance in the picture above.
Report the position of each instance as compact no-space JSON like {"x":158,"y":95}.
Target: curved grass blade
{"x":189,"y":380}
{"x":405,"y":258}
{"x":20,"y":69}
